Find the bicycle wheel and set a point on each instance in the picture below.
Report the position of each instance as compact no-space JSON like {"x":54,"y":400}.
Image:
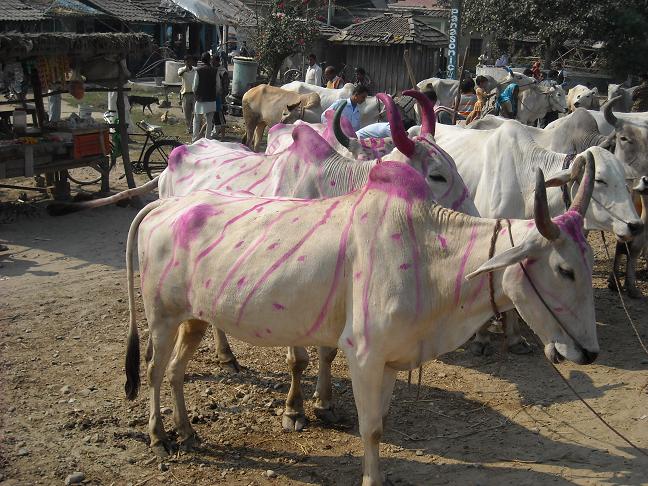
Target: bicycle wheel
{"x":291,"y":75}
{"x":156,"y":157}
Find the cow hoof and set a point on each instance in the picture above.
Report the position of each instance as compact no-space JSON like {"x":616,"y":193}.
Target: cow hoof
{"x":521,"y":347}
{"x":162,"y":449}
{"x":293,"y":423}
{"x":634,"y":293}
{"x":230,"y":364}
{"x":612,"y":283}
{"x":481,"y":349}
{"x":327,"y":415}
{"x":190,"y":443}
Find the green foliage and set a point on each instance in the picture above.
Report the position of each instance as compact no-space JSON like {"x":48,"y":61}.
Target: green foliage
{"x":621,"y":24}
{"x":290,"y":27}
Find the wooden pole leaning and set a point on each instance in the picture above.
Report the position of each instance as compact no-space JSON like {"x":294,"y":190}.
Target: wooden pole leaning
{"x":123,"y":135}
{"x":461,"y":78}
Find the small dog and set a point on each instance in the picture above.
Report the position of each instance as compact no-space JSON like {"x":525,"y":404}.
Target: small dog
{"x":145,"y":101}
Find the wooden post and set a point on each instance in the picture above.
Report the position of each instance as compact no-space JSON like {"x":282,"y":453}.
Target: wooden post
{"x":461,"y":77}
{"x":38,"y":98}
{"x":123,"y":133}
{"x":408,"y":66}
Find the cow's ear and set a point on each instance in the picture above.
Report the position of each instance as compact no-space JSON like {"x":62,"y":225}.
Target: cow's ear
{"x":595,"y":91}
{"x":559,"y":179}
{"x":503,"y":260}
{"x":292,"y":107}
{"x":609,"y":143}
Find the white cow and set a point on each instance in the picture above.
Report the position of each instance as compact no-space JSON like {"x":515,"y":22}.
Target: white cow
{"x":581,"y":96}
{"x":498,"y":167}
{"x":380,"y":273}
{"x":616,"y":90}
{"x":370,"y":110}
{"x":447,"y":89}
{"x":536,"y":102}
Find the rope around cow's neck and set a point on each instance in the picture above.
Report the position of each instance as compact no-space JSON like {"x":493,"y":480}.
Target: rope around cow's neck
{"x":565,"y":380}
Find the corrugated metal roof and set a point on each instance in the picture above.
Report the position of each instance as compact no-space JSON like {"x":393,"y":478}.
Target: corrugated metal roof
{"x":391,"y":29}
{"x":17,"y":11}
{"x":126,"y":10}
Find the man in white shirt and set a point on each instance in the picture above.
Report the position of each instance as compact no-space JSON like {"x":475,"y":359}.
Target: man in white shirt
{"x":187,"y":73}
{"x":314,"y":71}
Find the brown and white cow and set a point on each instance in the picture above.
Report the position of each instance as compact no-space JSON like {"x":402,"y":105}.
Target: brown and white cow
{"x":380,"y":273}
{"x":264,"y":105}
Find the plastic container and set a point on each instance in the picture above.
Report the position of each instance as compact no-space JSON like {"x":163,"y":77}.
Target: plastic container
{"x":171,"y":72}
{"x":245,"y":73}
{"x":88,"y":144}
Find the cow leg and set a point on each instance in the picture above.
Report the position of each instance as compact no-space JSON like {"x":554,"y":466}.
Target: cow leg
{"x":515,"y":343}
{"x":481,"y":344}
{"x":324,"y":408}
{"x":631,"y":269}
{"x":619,"y":251}
{"x":162,"y":336}
{"x":189,"y":337}
{"x":389,"y":380}
{"x":258,"y":135}
{"x":370,"y":380}
{"x":294,"y":417}
{"x":224,"y":355}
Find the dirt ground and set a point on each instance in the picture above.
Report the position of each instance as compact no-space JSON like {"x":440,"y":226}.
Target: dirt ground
{"x":504,"y":419}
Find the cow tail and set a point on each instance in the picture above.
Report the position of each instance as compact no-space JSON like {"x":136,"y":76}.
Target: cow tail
{"x":132,"y":347}
{"x":61,"y":208}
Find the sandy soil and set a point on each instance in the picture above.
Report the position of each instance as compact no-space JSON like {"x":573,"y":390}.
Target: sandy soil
{"x":504,"y":419}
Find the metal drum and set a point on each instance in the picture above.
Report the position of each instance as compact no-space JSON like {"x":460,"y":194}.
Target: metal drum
{"x":245,"y":73}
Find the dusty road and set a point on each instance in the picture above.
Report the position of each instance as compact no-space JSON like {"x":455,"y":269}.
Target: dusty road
{"x":504,"y":419}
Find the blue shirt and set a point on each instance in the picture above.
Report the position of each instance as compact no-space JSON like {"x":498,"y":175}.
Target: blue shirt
{"x":507,"y":95}
{"x":375,"y":130}
{"x":351,"y":112}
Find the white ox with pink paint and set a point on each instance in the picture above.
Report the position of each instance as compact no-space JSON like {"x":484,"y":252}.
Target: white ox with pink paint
{"x":380,"y":273}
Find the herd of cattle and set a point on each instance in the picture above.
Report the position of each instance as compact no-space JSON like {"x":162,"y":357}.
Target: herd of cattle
{"x":394,"y":250}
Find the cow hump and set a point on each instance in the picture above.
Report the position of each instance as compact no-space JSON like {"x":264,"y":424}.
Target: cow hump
{"x":309,"y":144}
{"x":398,"y":179}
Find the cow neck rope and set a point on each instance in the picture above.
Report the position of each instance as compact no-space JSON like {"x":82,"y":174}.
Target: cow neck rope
{"x":618,"y":286}
{"x":565,"y":380}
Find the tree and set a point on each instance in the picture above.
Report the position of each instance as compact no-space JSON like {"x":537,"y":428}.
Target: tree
{"x":626,"y":37}
{"x":290,"y":27}
{"x":551,"y":21}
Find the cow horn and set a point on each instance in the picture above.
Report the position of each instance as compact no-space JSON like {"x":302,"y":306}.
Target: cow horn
{"x":607,"y":111}
{"x":545,"y":225}
{"x":398,"y":133}
{"x":584,"y":194}
{"x":428,"y":117}
{"x":337,"y":129}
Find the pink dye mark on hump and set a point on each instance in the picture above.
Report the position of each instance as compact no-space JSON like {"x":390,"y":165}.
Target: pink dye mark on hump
{"x":278,"y":306}
{"x":337,"y":273}
{"x":176,"y":157}
{"x":398,"y":179}
{"x":279,"y":262}
{"x":442,"y":242}
{"x":462,"y":265}
{"x":190,"y":223}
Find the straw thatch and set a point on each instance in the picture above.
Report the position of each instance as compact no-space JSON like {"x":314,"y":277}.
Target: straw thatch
{"x":16,"y":46}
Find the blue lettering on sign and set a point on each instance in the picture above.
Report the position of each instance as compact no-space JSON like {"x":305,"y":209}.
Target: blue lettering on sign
{"x":453,"y":40}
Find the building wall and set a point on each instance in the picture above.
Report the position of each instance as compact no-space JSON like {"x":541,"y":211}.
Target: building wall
{"x":385,"y":65}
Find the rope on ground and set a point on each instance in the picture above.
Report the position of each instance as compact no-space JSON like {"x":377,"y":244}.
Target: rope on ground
{"x":596,"y":414}
{"x":618,"y":287}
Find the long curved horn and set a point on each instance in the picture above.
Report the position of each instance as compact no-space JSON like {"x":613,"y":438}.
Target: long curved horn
{"x":398,"y":133}
{"x":337,"y":129}
{"x":545,"y":225}
{"x":607,"y":111}
{"x":584,"y":194}
{"x":428,"y":117}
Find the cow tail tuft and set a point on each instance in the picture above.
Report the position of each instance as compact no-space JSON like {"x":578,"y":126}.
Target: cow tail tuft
{"x":132,"y":363}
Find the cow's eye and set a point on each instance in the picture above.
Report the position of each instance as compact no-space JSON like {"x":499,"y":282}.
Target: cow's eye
{"x":600,"y":181}
{"x":566,"y":273}
{"x":624,"y":139}
{"x":438,"y":178}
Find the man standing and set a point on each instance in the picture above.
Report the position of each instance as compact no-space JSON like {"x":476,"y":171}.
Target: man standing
{"x":187,"y":73}
{"x":204,"y":88}
{"x":333,"y":81}
{"x":640,"y":95}
{"x":313,"y":72}
{"x":361,"y":79}
{"x":222,"y":89}
{"x":352,"y":109}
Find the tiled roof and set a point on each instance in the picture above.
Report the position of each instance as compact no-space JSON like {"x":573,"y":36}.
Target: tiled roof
{"x":391,"y":28}
{"x":126,"y":10}
{"x":71,"y":8}
{"x":15,"y":10}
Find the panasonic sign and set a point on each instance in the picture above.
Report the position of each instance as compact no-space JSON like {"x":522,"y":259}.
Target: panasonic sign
{"x":453,"y":44}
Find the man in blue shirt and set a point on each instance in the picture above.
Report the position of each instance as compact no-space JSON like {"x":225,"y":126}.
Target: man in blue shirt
{"x":352,"y":109}
{"x":507,"y":101}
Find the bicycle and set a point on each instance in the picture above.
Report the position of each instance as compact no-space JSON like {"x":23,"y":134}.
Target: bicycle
{"x":152,"y":160}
